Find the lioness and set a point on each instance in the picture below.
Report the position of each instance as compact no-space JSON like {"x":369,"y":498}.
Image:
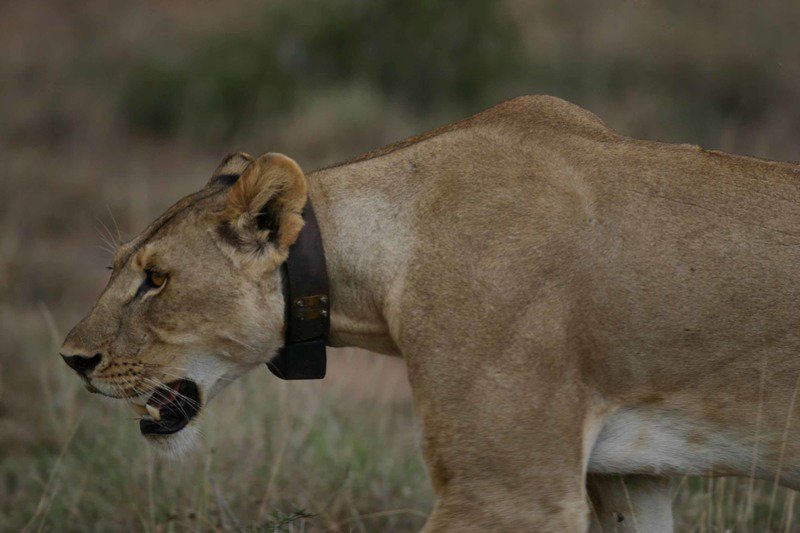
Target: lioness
{"x":568,"y":301}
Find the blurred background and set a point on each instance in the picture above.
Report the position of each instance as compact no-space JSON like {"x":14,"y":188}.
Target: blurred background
{"x":111,"y":111}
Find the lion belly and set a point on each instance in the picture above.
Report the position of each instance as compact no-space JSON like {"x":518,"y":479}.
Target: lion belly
{"x":655,"y":441}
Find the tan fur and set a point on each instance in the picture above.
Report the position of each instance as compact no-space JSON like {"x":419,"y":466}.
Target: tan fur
{"x":232,"y":166}
{"x":568,"y":300}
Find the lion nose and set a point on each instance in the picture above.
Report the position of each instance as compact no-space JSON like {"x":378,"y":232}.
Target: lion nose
{"x":82,"y":364}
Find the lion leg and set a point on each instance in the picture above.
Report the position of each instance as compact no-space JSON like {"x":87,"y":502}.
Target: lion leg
{"x":501,"y":464}
{"x":465,"y":513}
{"x":520,"y":490}
{"x":630,"y":503}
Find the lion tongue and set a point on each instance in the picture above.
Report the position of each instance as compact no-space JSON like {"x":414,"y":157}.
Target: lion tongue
{"x":163,"y":397}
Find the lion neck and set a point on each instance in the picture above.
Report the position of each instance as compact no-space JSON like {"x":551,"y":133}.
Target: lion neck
{"x":365,"y":225}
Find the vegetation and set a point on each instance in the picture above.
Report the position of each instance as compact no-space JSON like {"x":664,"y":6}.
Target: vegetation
{"x":422,"y":53}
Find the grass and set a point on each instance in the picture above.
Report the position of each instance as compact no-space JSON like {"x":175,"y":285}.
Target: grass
{"x":336,"y":455}
{"x":274,"y":456}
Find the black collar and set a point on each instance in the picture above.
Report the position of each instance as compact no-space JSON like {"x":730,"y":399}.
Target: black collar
{"x":305,"y":291}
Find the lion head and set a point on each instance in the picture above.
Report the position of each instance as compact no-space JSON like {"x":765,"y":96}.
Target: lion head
{"x":195,"y":300}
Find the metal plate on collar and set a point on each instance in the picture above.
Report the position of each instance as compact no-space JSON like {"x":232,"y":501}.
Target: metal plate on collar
{"x":310,"y":307}
{"x":309,"y":317}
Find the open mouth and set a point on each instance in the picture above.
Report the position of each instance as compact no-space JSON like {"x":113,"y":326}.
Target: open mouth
{"x":171,"y":408}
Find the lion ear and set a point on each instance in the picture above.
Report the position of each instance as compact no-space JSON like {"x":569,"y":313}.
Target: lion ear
{"x":230,"y":169}
{"x":264,"y":207}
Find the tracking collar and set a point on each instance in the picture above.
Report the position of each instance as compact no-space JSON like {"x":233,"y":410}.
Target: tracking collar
{"x":307,"y":301}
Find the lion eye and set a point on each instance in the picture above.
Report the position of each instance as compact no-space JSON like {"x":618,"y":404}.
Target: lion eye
{"x":155,"y":278}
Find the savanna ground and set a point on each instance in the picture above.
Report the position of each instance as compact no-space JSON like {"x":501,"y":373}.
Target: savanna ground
{"x":110,"y":111}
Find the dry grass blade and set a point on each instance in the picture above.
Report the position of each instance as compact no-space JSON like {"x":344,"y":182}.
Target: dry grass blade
{"x":42,"y":506}
{"x":747,"y":509}
{"x":789,"y":416}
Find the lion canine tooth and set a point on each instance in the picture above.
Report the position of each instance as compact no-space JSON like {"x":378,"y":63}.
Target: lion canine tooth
{"x":154,"y":412}
{"x":139,"y":409}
